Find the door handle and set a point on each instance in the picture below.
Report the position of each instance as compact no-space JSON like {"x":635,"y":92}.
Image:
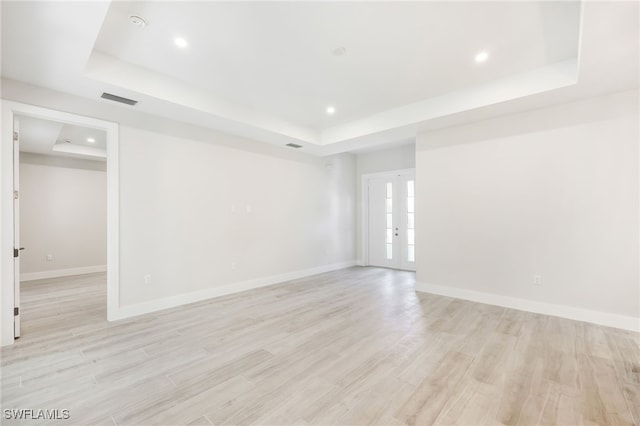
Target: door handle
{"x":21,"y":248}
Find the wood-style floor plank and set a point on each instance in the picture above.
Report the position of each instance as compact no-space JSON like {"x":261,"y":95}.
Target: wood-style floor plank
{"x":350,"y":347}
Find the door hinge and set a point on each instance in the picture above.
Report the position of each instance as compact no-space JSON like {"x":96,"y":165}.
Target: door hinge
{"x":16,"y":194}
{"x":16,"y":311}
{"x":15,"y":136}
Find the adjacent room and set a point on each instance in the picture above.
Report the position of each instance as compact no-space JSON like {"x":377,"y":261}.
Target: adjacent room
{"x":62,"y":226}
{"x":320,"y":213}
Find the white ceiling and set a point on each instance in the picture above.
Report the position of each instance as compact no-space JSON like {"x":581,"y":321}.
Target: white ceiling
{"x":278,"y":57}
{"x":47,"y":137}
{"x":266,"y":69}
{"x":37,"y":135}
{"x":78,"y":135}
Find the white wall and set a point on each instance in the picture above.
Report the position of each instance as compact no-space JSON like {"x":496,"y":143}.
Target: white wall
{"x":552,"y":192}
{"x":63,"y":212}
{"x":401,"y":157}
{"x":178,"y":184}
{"x":189,"y":209}
{"x":397,"y":158}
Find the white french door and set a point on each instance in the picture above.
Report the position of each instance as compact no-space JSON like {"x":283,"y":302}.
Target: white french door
{"x":391,"y":220}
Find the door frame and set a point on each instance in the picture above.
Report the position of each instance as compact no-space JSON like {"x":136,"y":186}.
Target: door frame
{"x":16,"y":228}
{"x":364,"y":208}
{"x":7,"y":293}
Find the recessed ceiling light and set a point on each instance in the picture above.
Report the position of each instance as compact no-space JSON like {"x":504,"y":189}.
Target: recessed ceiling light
{"x":180,"y":42}
{"x":91,"y":140}
{"x":138,"y":21}
{"x":482,"y":57}
{"x":331,"y":110}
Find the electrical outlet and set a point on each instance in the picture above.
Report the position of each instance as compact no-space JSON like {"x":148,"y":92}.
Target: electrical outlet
{"x":537,"y":280}
{"x":147,"y":279}
{"x":49,"y":257}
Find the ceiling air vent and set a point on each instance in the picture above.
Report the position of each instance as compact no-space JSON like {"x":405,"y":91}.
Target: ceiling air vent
{"x":294,"y":145}
{"x":120,"y":99}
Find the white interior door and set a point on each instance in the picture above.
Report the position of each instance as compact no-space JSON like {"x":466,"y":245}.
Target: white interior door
{"x":16,"y":226}
{"x":391,"y":220}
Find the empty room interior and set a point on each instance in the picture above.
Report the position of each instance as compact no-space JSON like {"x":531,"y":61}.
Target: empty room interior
{"x":320,"y":213}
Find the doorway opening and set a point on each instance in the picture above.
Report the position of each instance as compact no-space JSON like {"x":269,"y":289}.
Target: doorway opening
{"x":389,"y":219}
{"x":63,"y":221}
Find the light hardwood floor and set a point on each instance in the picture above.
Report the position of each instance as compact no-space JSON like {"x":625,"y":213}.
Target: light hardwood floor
{"x":351,"y":347}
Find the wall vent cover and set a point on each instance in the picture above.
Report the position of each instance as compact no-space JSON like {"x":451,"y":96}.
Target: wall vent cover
{"x":116,"y":98}
{"x":294,"y":145}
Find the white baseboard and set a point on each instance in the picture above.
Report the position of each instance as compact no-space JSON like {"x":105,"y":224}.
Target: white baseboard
{"x":563,"y":311}
{"x":128,"y":311}
{"x":55,"y":273}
